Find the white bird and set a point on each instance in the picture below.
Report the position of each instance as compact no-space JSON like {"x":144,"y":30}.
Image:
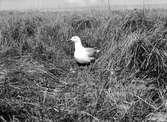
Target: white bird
{"x":83,"y":55}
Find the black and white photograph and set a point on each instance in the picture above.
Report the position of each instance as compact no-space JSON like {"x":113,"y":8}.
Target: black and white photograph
{"x":83,"y":60}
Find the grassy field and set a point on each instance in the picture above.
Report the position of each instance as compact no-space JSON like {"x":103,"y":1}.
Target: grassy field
{"x":41,"y":82}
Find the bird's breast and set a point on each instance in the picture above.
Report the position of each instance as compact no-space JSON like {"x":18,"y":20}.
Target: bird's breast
{"x":81,"y":57}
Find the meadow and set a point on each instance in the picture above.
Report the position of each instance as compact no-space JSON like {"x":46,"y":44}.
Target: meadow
{"x":41,"y":82}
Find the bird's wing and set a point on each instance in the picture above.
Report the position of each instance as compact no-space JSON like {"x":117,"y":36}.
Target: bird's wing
{"x":90,"y":51}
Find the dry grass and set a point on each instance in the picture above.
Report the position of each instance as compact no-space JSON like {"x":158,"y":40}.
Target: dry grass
{"x":40,"y":81}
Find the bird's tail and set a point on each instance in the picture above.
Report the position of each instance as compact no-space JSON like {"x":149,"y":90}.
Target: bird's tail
{"x":97,"y":51}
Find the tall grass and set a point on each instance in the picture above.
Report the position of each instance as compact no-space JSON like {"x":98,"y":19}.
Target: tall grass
{"x":40,"y":80}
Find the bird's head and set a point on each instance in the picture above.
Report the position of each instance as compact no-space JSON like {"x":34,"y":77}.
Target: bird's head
{"x":75,"y":39}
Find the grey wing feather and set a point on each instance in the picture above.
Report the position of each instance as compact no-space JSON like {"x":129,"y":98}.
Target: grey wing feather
{"x":91,"y":51}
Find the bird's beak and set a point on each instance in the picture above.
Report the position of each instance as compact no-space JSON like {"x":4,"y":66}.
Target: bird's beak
{"x":69,"y":40}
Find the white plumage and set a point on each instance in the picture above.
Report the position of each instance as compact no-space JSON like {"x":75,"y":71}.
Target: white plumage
{"x":83,"y":55}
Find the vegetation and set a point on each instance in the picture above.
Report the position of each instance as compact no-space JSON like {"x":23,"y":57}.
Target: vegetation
{"x":40,"y":80}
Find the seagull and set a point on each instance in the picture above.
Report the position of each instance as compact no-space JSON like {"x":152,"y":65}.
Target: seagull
{"x":83,"y":55}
